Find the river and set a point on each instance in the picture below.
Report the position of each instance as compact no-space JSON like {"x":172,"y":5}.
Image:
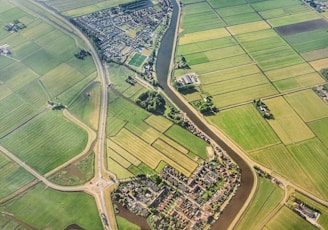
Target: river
{"x":162,"y":71}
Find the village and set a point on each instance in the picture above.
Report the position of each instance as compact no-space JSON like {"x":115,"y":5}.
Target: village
{"x":176,"y":201}
{"x":121,"y":31}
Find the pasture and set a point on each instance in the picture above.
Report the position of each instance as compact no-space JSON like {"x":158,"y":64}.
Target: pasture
{"x":243,"y":95}
{"x":284,"y":11}
{"x":47,"y":141}
{"x":116,"y":167}
{"x":248,"y":27}
{"x":246,"y":127}
{"x":12,"y":176}
{"x":203,"y":36}
{"x":274,"y":4}
{"x":287,"y":219}
{"x":301,"y":81}
{"x":319,"y":127}
{"x":86,"y":106}
{"x":267,"y":198}
{"x":242,"y":18}
{"x":158,"y":122}
{"x":226,"y":3}
{"x":287,"y":121}
{"x":290,"y":71}
{"x":295,"y":18}
{"x":308,"y":105}
{"x":36,"y":209}
{"x":234,"y":10}
{"x":315,"y":54}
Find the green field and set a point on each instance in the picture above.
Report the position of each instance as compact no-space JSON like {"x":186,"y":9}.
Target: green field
{"x":47,"y":141}
{"x":246,"y":127}
{"x":308,"y":105}
{"x":295,"y":18}
{"x":319,"y":127}
{"x":12,"y":176}
{"x":287,"y":219}
{"x":290,"y":71}
{"x":267,"y":198}
{"x":203,"y":36}
{"x":287,"y":121}
{"x":86,"y":105}
{"x":248,"y":27}
{"x":158,"y":122}
{"x":124,"y":224}
{"x":44,"y":208}
{"x":137,"y":60}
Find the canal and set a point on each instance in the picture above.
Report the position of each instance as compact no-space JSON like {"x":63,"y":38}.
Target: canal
{"x":162,"y":71}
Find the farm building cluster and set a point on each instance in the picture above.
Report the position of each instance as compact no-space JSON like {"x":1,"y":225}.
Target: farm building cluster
{"x":318,"y":6}
{"x":189,"y":79}
{"x":15,"y":26}
{"x":122,"y":30}
{"x":4,"y":50}
{"x":172,"y":199}
{"x":322,"y":92}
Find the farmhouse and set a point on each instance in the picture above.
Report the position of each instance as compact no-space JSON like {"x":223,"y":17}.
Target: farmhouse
{"x":189,"y":79}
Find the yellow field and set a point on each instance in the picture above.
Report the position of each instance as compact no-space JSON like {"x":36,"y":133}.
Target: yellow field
{"x":224,"y":52}
{"x":158,"y":122}
{"x":174,"y":144}
{"x":248,"y":27}
{"x":319,"y":64}
{"x":148,"y":154}
{"x":118,"y":169}
{"x":203,"y":36}
{"x":223,"y":75}
{"x":144,"y":131}
{"x":290,"y":71}
{"x":118,"y":149}
{"x":287,"y":124}
{"x":308,"y":105}
{"x":118,"y":158}
{"x":4,"y":91}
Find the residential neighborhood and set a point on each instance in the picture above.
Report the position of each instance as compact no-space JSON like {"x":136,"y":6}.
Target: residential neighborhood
{"x":126,"y":29}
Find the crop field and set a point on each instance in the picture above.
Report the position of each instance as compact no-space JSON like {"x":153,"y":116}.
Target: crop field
{"x":285,"y":11}
{"x":137,"y":60}
{"x":85,"y":67}
{"x":203,"y":36}
{"x":234,"y":10}
{"x":320,"y":64}
{"x":248,"y":27}
{"x":242,"y":18}
{"x":86,"y":105}
{"x":35,"y":98}
{"x":158,"y":122}
{"x":228,"y":74}
{"x":267,"y":198}
{"x":290,"y":71}
{"x":141,"y":150}
{"x":274,"y":4}
{"x":234,"y":84}
{"x":308,"y":105}
{"x":287,"y":121}
{"x":295,"y":18}
{"x":117,"y":167}
{"x":197,"y":8}
{"x":4,"y":91}
{"x":301,"y":81}
{"x":36,"y":209}
{"x":287,"y":219}
{"x":144,"y":131}
{"x":47,"y":141}
{"x":315,"y":54}
{"x":124,"y":224}
{"x":122,"y":152}
{"x":12,"y":176}
{"x":246,"y":127}
{"x":188,"y":140}
{"x":244,"y":95}
{"x":226,"y":3}
{"x":319,"y":127}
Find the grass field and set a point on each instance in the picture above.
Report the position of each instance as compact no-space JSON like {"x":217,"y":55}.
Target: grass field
{"x":287,"y":219}
{"x":246,"y":127}
{"x":248,"y":27}
{"x":47,"y":141}
{"x":137,"y":60}
{"x":319,"y":127}
{"x":158,"y":122}
{"x":86,"y":105}
{"x":124,"y":224}
{"x":267,"y":198}
{"x":315,"y":54}
{"x":287,"y":121}
{"x":308,"y":105}
{"x":284,"y":11}
{"x":235,"y":10}
{"x":295,"y":18}
{"x":120,"y":171}
{"x":290,"y":71}
{"x":242,"y":18}
{"x":122,"y":153}
{"x":12,"y":176}
{"x":36,"y":209}
{"x":203,"y":36}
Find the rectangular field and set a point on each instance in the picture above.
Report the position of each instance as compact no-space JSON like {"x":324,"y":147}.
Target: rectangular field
{"x":246,"y":127}
{"x":158,"y":122}
{"x":290,"y":71}
{"x":248,"y":27}
{"x":295,"y":18}
{"x":319,"y":64}
{"x":120,"y":171}
{"x":235,"y":10}
{"x":315,"y":54}
{"x":308,"y":105}
{"x":286,"y":122}
{"x":203,"y":36}
{"x":242,"y":18}
{"x":137,"y":60}
{"x":320,"y":127}
{"x":123,"y":153}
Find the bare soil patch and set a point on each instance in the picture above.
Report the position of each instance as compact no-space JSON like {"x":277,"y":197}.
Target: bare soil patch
{"x":301,"y":27}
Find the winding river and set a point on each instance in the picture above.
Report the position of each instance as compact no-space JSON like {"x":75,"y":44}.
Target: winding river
{"x":162,"y":70}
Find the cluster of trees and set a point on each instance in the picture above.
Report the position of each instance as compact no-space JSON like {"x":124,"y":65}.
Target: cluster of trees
{"x":263,"y":109}
{"x":183,"y":64}
{"x":324,"y":73}
{"x":184,"y":89}
{"x":206,"y":106}
{"x":131,"y":80}
{"x":152,"y":101}
{"x":82,"y":54}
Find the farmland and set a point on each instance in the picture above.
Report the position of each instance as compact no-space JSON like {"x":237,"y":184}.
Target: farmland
{"x":267,"y":198}
{"x":71,"y":208}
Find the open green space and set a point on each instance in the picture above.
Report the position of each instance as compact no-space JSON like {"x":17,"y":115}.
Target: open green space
{"x":158,"y":122}
{"x":248,"y":27}
{"x":124,"y":224}
{"x":226,"y":3}
{"x":315,"y":54}
{"x":290,"y":71}
{"x":44,"y":208}
{"x":12,"y":176}
{"x":273,"y":4}
{"x":242,"y":18}
{"x":86,"y":106}
{"x":287,"y":121}
{"x":245,"y":126}
{"x":284,"y":11}
{"x":301,"y":81}
{"x":47,"y":141}
{"x":294,"y":18}
{"x":116,"y":167}
{"x":308,"y":105}
{"x":203,"y":36}
{"x":235,"y":10}
{"x":267,"y":197}
{"x":287,"y":219}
